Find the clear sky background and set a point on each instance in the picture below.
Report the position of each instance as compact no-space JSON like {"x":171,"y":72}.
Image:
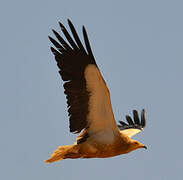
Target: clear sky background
{"x":138,"y":46}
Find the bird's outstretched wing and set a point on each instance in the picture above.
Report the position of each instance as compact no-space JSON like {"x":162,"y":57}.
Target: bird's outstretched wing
{"x":133,"y":126}
{"x":88,"y":98}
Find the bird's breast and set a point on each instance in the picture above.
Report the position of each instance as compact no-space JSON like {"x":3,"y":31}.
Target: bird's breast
{"x":107,"y":137}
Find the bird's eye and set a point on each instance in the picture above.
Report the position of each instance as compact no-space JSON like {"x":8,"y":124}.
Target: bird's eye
{"x":136,"y":143}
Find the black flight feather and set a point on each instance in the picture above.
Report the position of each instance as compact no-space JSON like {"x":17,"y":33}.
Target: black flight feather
{"x":68,"y":37}
{"x":136,"y":124}
{"x":72,"y":59}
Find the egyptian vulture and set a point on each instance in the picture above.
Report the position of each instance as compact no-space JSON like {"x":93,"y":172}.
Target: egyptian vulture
{"x":89,"y":104}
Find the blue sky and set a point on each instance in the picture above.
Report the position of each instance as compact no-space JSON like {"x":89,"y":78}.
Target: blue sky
{"x":138,"y":46}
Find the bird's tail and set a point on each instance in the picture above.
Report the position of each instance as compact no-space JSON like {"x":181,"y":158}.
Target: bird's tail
{"x":64,"y":152}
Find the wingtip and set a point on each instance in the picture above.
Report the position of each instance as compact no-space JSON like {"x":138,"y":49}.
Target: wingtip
{"x":53,"y":31}
{"x":84,"y":29}
{"x":143,"y":117}
{"x":61,"y":25}
{"x":129,"y":120}
{"x":52,"y":49}
{"x":69,"y":21}
{"x":84,"y":32}
{"x":143,"y":110}
{"x":136,"y":117}
{"x":71,"y":25}
{"x":50,"y":38}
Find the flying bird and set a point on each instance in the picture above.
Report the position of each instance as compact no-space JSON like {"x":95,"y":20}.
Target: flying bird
{"x":89,"y":104}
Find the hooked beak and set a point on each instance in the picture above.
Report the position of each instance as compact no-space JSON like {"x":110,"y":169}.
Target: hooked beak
{"x":145,"y":147}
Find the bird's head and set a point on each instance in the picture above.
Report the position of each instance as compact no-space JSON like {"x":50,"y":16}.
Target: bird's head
{"x":134,"y":144}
